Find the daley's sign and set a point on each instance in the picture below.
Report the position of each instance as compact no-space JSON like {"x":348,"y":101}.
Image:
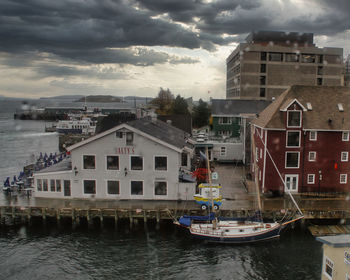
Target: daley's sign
{"x":125,"y":150}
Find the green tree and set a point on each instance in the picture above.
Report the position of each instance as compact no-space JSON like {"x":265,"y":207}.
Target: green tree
{"x":201,"y":114}
{"x":163,"y":101}
{"x":179,"y":106}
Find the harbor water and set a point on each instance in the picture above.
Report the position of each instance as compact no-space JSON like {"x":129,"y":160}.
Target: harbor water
{"x":145,"y":251}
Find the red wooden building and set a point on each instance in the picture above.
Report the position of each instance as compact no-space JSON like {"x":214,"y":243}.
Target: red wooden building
{"x":305,"y":134}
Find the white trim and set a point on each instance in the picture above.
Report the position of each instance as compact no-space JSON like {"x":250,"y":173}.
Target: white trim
{"x":297,"y":182}
{"x":82,"y":163}
{"x":288,"y":131}
{"x":154,"y":163}
{"x":114,"y":129}
{"x":223,"y":115}
{"x":83,"y":190}
{"x":52,"y":173}
{"x":221,"y":153}
{"x":110,"y":194}
{"x":346,"y":154}
{"x":154,"y":189}
{"x":313,"y":139}
{"x":300,"y":120}
{"x":345,"y":177}
{"x":345,"y":138}
{"x":130,"y":163}
{"x":106,"y":162}
{"x":289,"y":104}
{"x":54,"y":185}
{"x":311,"y":182}
{"x":143,"y":189}
{"x":60,"y":180}
{"x":285,"y":162}
{"x":312,"y":152}
{"x":43,"y":179}
{"x":325,"y":258}
{"x":220,"y":121}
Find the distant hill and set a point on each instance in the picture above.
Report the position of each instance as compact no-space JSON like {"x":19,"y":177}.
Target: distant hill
{"x":64,"y":97}
{"x":99,"y":98}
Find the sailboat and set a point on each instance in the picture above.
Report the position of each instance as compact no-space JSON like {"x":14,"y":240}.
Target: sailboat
{"x":235,"y":230}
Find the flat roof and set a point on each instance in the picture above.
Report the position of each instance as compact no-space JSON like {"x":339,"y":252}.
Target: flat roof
{"x":342,"y":240}
{"x":280,"y":36}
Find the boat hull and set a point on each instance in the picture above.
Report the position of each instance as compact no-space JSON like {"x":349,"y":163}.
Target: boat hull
{"x":265,"y":234}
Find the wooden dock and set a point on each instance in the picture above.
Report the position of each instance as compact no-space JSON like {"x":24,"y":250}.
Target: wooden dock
{"x":322,"y":230}
{"x":10,"y":215}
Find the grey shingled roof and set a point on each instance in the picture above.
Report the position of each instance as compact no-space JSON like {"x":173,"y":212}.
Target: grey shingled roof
{"x":153,"y":127}
{"x":237,"y":107}
{"x":324,"y":101}
{"x":161,"y":130}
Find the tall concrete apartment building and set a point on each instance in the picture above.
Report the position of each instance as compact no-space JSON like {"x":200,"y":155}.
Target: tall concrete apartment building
{"x":271,"y":61}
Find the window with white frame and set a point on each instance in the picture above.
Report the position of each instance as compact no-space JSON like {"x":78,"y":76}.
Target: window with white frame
{"x":39,"y":185}
{"x":89,"y":162}
{"x":345,"y":136}
{"x":312,"y":156}
{"x":129,"y":138}
{"x":311,"y":178}
{"x":224,"y":133}
{"x":160,"y":163}
{"x":136,"y":163}
{"x":292,"y":159}
{"x":89,"y":187}
{"x":58,"y":185}
{"x":344,"y":156}
{"x":137,"y":187}
{"x":294,"y":118}
{"x":112,"y":162}
{"x":293,"y":138}
{"x":225,"y":120}
{"x":223,"y":151}
{"x":160,"y":188}
{"x":313,"y":136}
{"x":52,"y":185}
{"x":113,"y":187}
{"x":328,"y":266}
{"x":260,"y":153}
{"x":256,"y":153}
{"x":45,"y":185}
{"x":343,"y":178}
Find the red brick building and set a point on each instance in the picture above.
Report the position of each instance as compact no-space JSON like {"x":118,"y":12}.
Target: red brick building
{"x":305,"y":134}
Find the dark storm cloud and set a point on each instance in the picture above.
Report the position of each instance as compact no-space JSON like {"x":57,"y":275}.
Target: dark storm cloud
{"x":68,"y":28}
{"x":103,"y":31}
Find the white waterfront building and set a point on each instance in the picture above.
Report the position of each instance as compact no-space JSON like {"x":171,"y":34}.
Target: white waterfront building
{"x":141,"y":159}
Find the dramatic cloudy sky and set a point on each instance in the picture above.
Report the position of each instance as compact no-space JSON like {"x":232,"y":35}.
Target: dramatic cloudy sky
{"x":134,"y":47}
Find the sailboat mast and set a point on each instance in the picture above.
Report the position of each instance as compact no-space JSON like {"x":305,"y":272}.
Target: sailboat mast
{"x":256,"y":176}
{"x":209,"y":177}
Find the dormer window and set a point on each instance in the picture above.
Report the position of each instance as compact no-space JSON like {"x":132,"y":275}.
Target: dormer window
{"x":294,"y":118}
